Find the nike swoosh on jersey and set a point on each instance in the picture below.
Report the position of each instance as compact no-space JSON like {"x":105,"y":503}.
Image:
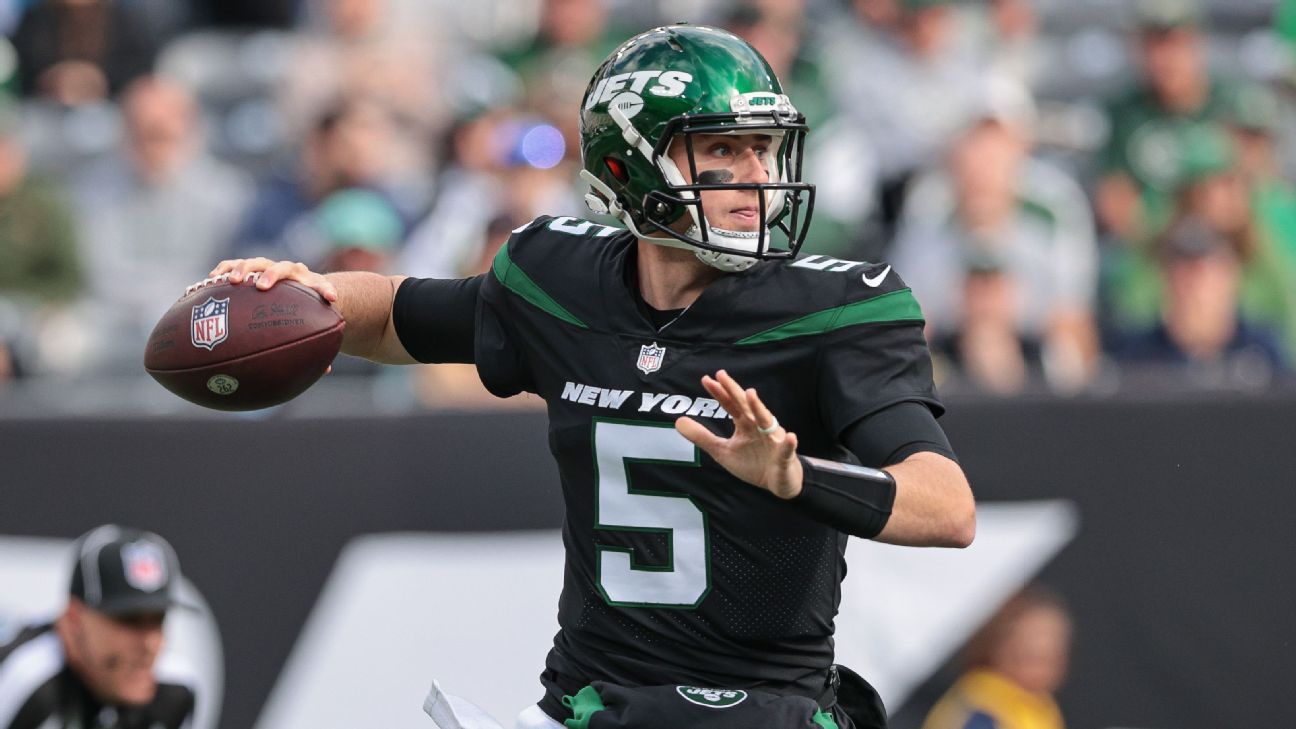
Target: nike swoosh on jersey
{"x":875,"y":281}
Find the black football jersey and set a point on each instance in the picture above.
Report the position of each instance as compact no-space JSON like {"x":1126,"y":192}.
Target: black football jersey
{"x":676,"y":571}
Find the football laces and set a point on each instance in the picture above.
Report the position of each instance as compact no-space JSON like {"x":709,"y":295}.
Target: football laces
{"x":216,"y":280}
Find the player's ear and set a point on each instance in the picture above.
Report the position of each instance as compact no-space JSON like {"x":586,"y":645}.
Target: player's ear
{"x":69,"y":624}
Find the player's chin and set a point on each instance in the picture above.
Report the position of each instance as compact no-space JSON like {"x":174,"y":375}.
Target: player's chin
{"x":138,"y":689}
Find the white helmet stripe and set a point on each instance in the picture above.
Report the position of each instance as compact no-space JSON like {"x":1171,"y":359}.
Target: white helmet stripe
{"x":89,"y":557}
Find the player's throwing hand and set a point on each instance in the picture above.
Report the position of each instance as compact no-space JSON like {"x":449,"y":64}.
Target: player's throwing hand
{"x":269,"y":272}
{"x":760,"y":452}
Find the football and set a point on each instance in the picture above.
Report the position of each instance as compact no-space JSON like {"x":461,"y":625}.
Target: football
{"x":234,"y":347}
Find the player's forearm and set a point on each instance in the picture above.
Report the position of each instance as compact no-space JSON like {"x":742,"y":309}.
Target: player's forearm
{"x":365,"y":302}
{"x":851,"y":499}
{"x":933,"y":504}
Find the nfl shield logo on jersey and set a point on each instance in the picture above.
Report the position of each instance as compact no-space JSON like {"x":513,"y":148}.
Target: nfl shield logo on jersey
{"x":650,"y":358}
{"x":144,"y":566}
{"x":210,"y":323}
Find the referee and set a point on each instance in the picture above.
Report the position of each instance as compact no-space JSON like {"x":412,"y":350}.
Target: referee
{"x":94,"y":666}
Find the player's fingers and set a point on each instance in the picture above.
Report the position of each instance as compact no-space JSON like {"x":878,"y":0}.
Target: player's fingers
{"x":726,"y":399}
{"x":325,"y":288}
{"x":224,"y":267}
{"x":313,"y":281}
{"x":269,"y":275}
{"x":295,"y":271}
{"x":761,"y":414}
{"x":787,"y":464}
{"x":788,"y":448}
{"x":282,"y":271}
{"x":717,"y":391}
{"x":698,"y":435}
{"x":735,"y":391}
{"x":247,"y":266}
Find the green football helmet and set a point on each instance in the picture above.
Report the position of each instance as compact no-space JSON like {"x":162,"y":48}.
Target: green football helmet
{"x":678,"y":81}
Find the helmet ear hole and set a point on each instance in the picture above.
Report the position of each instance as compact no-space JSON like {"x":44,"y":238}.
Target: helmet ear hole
{"x":617,"y":168}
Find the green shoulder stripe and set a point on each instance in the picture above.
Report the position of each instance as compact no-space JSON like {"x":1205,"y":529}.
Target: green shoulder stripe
{"x":516,"y":280}
{"x":895,"y":306}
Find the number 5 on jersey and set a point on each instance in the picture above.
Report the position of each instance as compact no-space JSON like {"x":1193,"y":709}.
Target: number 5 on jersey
{"x":686,"y":577}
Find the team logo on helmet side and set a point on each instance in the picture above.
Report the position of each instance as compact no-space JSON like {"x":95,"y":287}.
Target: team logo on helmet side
{"x":650,"y":358}
{"x":712,"y":698}
{"x":629,"y":103}
{"x":210,"y":323}
{"x":634,"y":84}
{"x":144,"y":566}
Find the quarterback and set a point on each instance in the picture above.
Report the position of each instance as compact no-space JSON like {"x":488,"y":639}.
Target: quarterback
{"x":723,"y":413}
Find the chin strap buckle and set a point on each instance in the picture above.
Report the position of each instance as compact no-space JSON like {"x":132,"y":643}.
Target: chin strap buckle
{"x":596,"y":204}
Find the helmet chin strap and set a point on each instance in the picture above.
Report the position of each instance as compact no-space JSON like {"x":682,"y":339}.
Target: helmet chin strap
{"x":738,"y":240}
{"x":735,"y":239}
{"x":600,"y":205}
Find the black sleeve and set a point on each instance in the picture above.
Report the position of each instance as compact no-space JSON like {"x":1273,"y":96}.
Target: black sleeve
{"x":501,"y":348}
{"x":863,"y":370}
{"x":894,"y":433}
{"x":435,"y":318}
{"x":43,"y":698}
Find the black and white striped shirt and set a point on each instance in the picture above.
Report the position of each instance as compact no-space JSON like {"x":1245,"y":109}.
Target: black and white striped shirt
{"x":39,"y":691}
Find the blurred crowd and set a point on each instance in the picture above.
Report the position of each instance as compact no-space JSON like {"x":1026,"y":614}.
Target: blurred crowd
{"x":1085,"y":195}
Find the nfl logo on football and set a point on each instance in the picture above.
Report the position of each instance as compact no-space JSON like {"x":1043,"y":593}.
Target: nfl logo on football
{"x":145,"y":565}
{"x":650,"y":358}
{"x":210,"y":323}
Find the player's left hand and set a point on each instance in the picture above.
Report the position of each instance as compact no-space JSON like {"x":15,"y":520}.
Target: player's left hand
{"x":754,"y":453}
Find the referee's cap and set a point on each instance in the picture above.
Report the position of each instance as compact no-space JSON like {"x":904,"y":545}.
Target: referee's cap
{"x":122,"y":571}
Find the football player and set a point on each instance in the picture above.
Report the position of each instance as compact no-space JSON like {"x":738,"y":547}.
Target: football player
{"x":723,"y":414}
